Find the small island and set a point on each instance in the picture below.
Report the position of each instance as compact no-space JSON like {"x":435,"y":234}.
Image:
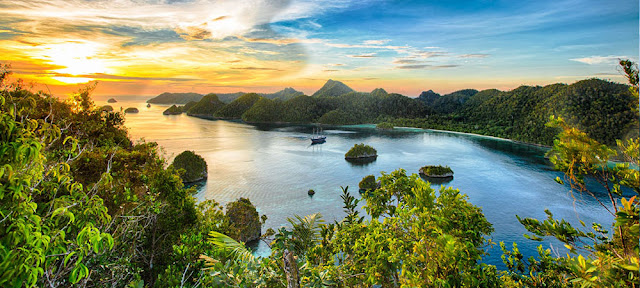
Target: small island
{"x":173,"y":110}
{"x":368,"y":183}
{"x":131,"y":110}
{"x":195,"y":168}
{"x":361,"y":152}
{"x":106,"y":108}
{"x":112,"y":100}
{"x":439,"y":171}
{"x":245,"y":221}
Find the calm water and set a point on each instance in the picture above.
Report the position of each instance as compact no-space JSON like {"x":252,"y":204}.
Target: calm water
{"x":275,"y":166}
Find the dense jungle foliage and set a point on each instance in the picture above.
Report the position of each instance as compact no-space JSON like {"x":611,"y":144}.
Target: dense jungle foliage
{"x":81,"y":204}
{"x":361,"y":150}
{"x":604,"y":110}
{"x":194,"y":166}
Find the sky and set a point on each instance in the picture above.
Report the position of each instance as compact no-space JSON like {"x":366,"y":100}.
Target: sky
{"x":146,"y":47}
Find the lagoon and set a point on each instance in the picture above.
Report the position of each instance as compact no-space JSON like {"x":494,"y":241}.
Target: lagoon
{"x":275,"y":165}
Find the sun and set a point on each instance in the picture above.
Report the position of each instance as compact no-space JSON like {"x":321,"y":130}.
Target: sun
{"x":78,"y":57}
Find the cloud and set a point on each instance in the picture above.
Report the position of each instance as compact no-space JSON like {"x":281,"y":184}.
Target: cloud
{"x":407,"y":61}
{"x":335,"y":64}
{"x":194,"y":33}
{"x":421,"y":66}
{"x":426,"y":66}
{"x":376,"y":42}
{"x":118,"y":77}
{"x":330,"y":70}
{"x":257,"y":68}
{"x":599,"y":59}
{"x":279,"y":41}
{"x":366,"y":55}
{"x":479,"y":55}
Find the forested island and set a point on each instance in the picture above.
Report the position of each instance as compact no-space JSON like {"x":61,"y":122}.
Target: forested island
{"x":520,"y":114}
{"x":83,"y":205}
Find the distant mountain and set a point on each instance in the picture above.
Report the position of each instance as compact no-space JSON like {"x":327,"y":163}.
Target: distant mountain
{"x":379,"y":92}
{"x":284,"y":94}
{"x":184,"y":98}
{"x":229,"y":97}
{"x":175,"y":98}
{"x":332,"y":89}
{"x":428,"y":97}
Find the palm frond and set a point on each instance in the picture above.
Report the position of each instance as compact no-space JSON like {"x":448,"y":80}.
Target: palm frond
{"x":235,"y":248}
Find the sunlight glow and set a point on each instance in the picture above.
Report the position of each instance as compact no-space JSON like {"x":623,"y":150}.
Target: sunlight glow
{"x":78,"y":58}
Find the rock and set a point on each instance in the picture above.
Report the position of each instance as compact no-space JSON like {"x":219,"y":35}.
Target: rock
{"x":131,"y":110}
{"x":112,"y":100}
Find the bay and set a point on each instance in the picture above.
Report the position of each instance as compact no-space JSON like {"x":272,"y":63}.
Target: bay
{"x":275,"y":165}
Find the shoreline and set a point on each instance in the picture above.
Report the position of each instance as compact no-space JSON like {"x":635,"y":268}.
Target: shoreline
{"x":373,"y":126}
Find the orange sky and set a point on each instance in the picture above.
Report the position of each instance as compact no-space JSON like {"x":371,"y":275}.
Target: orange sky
{"x":149,"y":47}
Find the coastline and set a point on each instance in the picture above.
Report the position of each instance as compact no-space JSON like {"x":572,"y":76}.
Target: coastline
{"x":373,"y":126}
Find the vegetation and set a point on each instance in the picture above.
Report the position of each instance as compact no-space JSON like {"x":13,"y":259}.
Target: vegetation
{"x":173,"y":110}
{"x":384,"y":125}
{"x":332,"y":89}
{"x":235,"y":109}
{"x":361,"y":151}
{"x":175,"y":98}
{"x":436,"y":171}
{"x":264,"y":110}
{"x":245,"y":223}
{"x":194,"y":166}
{"x":368,"y":183}
{"x":82,"y":205}
{"x":131,"y":110}
{"x":206,"y":107}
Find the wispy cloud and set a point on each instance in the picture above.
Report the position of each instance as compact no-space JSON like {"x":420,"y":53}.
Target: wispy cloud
{"x":366,"y":55}
{"x":426,"y":66}
{"x":421,"y":66}
{"x":407,"y":61}
{"x":479,"y":55}
{"x":376,"y":42}
{"x":256,"y":68}
{"x":592,"y":60}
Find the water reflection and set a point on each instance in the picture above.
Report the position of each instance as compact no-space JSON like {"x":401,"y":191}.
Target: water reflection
{"x":275,"y":166}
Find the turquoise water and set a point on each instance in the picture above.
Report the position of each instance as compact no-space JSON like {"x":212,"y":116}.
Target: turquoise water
{"x":275,"y":166}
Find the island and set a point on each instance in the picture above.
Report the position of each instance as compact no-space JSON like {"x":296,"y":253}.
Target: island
{"x":106,"y":108}
{"x":131,"y":110}
{"x":361,"y":152}
{"x":245,"y":221}
{"x":436,"y":174}
{"x":368,"y":183}
{"x":173,"y":110}
{"x":194,"y":166}
{"x":112,"y":100}
{"x":439,"y":171}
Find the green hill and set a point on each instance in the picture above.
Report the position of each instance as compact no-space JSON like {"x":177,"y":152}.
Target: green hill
{"x":235,"y":109}
{"x":206,"y":107}
{"x":284,"y":94}
{"x":264,"y":110}
{"x":332,"y":89}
